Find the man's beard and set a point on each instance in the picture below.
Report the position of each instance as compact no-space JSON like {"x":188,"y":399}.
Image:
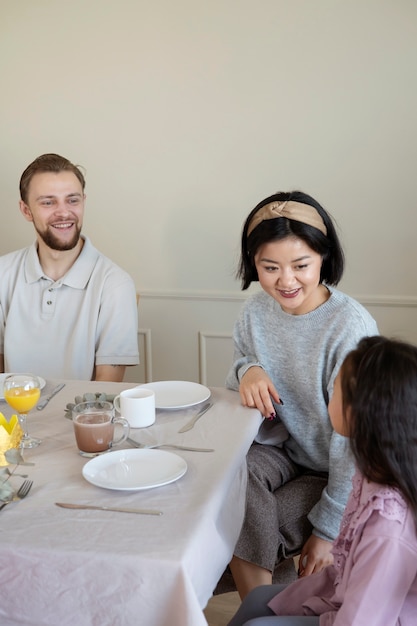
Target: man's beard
{"x":54,"y":243}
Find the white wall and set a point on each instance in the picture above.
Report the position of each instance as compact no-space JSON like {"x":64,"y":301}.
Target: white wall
{"x":185,"y":114}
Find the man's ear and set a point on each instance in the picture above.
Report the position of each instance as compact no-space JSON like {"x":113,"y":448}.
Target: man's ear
{"x":26,"y":212}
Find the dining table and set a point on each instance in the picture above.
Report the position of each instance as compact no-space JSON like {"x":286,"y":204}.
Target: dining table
{"x":98,"y":567}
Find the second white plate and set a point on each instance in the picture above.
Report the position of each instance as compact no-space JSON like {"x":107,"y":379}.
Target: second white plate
{"x":178,"y":394}
{"x":133,"y":470}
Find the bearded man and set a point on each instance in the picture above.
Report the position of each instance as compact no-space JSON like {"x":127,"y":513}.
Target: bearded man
{"x":66,"y":310}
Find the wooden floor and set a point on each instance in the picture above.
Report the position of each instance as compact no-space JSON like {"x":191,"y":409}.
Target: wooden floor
{"x":221,"y":608}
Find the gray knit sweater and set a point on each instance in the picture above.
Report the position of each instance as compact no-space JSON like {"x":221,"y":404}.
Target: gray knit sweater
{"x":302,"y":355}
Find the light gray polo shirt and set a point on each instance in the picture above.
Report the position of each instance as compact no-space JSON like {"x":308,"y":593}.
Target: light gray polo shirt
{"x":61,"y":329}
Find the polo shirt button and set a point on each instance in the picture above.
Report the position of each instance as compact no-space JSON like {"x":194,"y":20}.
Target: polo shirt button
{"x":49,"y":302}
{"x":50,"y":289}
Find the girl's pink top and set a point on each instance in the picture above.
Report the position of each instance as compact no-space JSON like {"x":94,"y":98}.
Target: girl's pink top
{"x":373,"y":581}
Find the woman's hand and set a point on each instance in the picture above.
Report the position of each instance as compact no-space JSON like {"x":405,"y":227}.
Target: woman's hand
{"x":315,"y":556}
{"x":256,"y":390}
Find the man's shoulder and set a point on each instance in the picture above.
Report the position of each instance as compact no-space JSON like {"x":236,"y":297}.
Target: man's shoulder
{"x":97,"y":261}
{"x":13,"y":259}
{"x":109,"y":267}
{"x":104,"y":271}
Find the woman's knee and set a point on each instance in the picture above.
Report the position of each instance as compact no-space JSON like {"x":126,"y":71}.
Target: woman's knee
{"x":269,"y":466}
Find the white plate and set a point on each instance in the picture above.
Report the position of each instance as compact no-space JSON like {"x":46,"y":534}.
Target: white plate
{"x":178,"y":394}
{"x":132,"y":470}
{"x":3,"y":376}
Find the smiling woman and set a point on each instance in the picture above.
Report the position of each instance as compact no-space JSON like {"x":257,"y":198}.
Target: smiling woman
{"x":290,"y":340}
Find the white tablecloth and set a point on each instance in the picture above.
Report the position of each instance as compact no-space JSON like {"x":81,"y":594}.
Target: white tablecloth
{"x":67,"y":567}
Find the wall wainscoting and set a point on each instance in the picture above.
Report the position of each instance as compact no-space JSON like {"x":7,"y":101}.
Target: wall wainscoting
{"x":188,"y":336}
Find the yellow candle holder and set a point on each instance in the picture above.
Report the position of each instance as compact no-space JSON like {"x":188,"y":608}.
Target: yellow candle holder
{"x":10,"y":435}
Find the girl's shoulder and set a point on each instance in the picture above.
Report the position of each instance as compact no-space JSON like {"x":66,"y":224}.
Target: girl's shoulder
{"x":369,"y":499}
{"x":387,"y":501}
{"x":372,"y":511}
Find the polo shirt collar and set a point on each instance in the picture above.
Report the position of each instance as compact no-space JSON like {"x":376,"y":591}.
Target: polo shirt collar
{"x":77,"y":276}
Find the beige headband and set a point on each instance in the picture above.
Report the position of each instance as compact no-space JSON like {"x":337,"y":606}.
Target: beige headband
{"x":297,"y":211}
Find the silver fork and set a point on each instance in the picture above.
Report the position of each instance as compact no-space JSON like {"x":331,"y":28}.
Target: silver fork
{"x":167,"y":445}
{"x":23,"y":491}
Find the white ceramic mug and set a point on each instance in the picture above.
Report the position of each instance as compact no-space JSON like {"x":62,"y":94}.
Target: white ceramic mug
{"x":137,"y":406}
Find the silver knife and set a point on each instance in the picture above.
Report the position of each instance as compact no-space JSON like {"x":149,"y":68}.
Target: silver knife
{"x":191,"y":423}
{"x":53,"y":393}
{"x":66,"y":505}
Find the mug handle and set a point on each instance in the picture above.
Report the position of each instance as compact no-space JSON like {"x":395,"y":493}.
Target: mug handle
{"x":126,"y":430}
{"x":116,"y":403}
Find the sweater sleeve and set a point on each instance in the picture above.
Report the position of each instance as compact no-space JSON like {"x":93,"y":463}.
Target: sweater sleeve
{"x":243,"y":357}
{"x":327,"y":513}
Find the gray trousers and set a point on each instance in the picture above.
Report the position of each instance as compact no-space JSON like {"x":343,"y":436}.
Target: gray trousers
{"x":280,"y":495}
{"x":254,"y":611}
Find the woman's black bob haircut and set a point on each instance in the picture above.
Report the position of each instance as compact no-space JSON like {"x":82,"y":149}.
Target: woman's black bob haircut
{"x":328,"y":247}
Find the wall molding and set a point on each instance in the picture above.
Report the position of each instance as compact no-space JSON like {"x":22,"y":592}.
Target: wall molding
{"x":215,"y":296}
{"x":203,"y":338}
{"x":146,"y":357}
{"x":388,"y":301}
{"x":194,"y":295}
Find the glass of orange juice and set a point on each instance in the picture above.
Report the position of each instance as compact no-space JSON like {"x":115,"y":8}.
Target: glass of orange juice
{"x":22,"y":392}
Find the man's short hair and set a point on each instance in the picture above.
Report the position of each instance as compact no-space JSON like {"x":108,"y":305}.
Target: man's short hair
{"x":48,"y":163}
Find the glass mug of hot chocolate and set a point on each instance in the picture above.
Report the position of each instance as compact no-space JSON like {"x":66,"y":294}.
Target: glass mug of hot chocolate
{"x":95,"y":425}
